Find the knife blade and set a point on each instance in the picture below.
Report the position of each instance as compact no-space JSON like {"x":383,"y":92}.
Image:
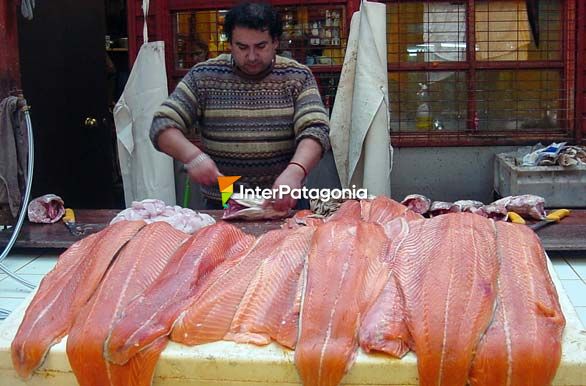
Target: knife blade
{"x":69,"y":221}
{"x":555,"y":216}
{"x":80,"y":229}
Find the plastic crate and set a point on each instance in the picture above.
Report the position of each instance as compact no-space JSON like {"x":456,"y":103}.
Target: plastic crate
{"x":559,"y":186}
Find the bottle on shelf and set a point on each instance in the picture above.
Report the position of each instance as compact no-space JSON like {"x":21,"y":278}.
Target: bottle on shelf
{"x":423,"y":119}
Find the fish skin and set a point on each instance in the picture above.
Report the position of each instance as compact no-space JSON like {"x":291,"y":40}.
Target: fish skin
{"x":447,"y":271}
{"x":522,"y":346}
{"x":210,"y":315}
{"x":152,"y":314}
{"x":137,"y":266}
{"x":251,"y":208}
{"x":270,"y":307}
{"x":63,"y":292}
{"x":331,"y":309}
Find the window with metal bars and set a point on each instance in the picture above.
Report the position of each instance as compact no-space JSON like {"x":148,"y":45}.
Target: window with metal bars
{"x":479,"y":71}
{"x":313,"y":35}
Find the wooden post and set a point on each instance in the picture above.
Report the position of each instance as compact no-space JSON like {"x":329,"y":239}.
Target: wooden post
{"x":581,"y":75}
{"x":9,"y":53}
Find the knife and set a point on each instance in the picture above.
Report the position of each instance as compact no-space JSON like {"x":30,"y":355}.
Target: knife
{"x":554,"y":216}
{"x":69,"y":221}
{"x":80,"y":229}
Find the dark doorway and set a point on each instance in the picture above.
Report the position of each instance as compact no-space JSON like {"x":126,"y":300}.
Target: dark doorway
{"x":64,"y":70}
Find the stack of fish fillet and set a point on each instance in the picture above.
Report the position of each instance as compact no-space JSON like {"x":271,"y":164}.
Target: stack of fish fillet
{"x":471,"y":297}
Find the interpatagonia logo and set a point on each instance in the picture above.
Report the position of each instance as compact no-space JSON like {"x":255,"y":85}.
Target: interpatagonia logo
{"x":226,"y":184}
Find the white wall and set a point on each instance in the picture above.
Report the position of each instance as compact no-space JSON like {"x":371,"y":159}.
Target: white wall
{"x":445,"y":173}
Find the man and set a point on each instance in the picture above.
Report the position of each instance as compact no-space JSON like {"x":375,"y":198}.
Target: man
{"x":260,"y":115}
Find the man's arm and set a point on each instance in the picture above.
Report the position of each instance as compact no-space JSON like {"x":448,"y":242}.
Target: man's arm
{"x":311,"y":128}
{"x":171,"y":120}
{"x":308,"y":153}
{"x":200,"y":167}
{"x":306,"y":157}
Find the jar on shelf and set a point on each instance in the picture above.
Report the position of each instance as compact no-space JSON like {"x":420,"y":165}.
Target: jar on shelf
{"x":335,"y":18}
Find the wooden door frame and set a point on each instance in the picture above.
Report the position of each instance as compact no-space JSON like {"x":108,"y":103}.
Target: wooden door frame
{"x":581,"y":73}
{"x":9,"y":53}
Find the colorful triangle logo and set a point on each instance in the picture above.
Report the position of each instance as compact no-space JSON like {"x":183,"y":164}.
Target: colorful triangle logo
{"x":226,"y":185}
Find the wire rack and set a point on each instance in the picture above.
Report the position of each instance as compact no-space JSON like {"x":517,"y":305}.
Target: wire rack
{"x":485,"y":66}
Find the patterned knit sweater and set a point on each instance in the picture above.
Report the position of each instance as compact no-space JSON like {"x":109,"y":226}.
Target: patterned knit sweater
{"x":249,"y":126}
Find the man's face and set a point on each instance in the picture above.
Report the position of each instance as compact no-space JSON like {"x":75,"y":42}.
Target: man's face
{"x":252,"y":50}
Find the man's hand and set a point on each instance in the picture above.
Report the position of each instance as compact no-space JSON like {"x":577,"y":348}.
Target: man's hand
{"x":203,"y":170}
{"x":199,"y":166}
{"x":306,"y":156}
{"x":293,"y":177}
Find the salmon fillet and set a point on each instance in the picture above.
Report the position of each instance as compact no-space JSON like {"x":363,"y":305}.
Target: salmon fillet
{"x":384,"y":209}
{"x":365,"y":206}
{"x":446,"y":270}
{"x":522,"y":346}
{"x":210,"y":315}
{"x":383,"y":327}
{"x":349,"y":211}
{"x":63,"y":292}
{"x":336,"y":295}
{"x":270,"y":306}
{"x":302,"y":218}
{"x":152,"y":314}
{"x":139,"y":264}
{"x":288,"y":332}
{"x":140,"y":370}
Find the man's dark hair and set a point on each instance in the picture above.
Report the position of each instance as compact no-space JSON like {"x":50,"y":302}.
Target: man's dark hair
{"x":258,"y":16}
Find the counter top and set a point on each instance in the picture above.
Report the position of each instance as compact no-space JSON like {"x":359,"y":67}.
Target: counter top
{"x":58,"y":236}
{"x":568,"y":235}
{"x":232,"y":364}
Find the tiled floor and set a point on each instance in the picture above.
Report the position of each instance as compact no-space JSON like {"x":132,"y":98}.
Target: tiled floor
{"x":31,"y":265}
{"x":570,"y":267}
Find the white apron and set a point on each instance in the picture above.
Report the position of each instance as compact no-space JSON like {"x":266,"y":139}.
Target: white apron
{"x":146,"y":172}
{"x":360,"y":122}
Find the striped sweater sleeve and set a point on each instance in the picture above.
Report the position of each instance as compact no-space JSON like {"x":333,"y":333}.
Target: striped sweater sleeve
{"x":311,"y":119}
{"x":180,"y":110}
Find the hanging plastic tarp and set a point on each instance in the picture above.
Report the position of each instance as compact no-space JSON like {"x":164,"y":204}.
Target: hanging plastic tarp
{"x":146,"y":172}
{"x":359,"y":127}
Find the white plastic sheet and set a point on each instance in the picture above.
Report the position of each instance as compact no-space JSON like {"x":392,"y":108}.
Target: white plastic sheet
{"x":360,"y":129}
{"x":146,"y":172}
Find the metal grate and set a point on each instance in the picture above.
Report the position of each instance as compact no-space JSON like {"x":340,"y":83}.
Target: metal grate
{"x":470,"y":66}
{"x":519,"y":100}
{"x":198,"y":35}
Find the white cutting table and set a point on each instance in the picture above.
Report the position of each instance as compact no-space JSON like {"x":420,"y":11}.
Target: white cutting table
{"x":231,"y":364}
